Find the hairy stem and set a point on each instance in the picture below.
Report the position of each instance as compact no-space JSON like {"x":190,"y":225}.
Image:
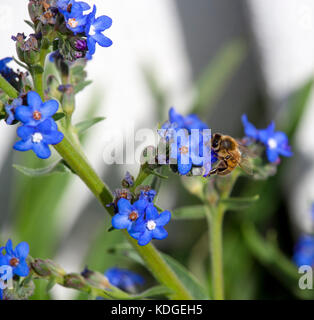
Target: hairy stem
{"x":215,"y":215}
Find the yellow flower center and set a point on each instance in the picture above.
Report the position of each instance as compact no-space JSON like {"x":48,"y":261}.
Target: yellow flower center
{"x":72,"y":23}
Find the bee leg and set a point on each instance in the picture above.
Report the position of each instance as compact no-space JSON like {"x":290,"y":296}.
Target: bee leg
{"x":220,"y":168}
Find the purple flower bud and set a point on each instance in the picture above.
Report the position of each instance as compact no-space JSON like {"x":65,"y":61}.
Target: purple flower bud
{"x":81,"y":45}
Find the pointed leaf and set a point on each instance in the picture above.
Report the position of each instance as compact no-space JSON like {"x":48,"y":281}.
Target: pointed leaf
{"x":153,"y":292}
{"x":187,"y":278}
{"x":56,"y":167}
{"x":81,"y":127}
{"x":189,"y":212}
{"x":58,"y":116}
{"x":81,"y":85}
{"x":239,"y":203}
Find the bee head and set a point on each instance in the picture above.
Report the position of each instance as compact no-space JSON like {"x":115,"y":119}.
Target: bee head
{"x":216,"y":140}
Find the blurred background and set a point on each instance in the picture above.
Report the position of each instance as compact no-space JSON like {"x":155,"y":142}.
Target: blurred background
{"x":218,"y":58}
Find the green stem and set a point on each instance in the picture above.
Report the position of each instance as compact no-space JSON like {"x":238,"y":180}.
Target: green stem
{"x":215,"y":217}
{"x":8,"y":88}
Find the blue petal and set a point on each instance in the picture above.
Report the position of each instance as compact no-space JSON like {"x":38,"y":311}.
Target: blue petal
{"x":47,"y":126}
{"x":121,"y":221}
{"x":272,"y":155}
{"x":25,"y":132}
{"x":42,"y":150}
{"x":140,"y":205}
{"x":160,"y":233}
{"x":145,"y":238}
{"x":34,"y":100}
{"x":91,"y":44}
{"x":102,"y":40}
{"x":22,"y":250}
{"x":184,"y":168}
{"x":23,"y":145}
{"x":135,"y":234}
{"x":163,"y":218}
{"x":102,"y":23}
{"x":151,"y":212}
{"x":9,"y":248}
{"x":124,"y":206}
{"x":84,"y":6}
{"x":22,"y":269}
{"x":49,"y":108}
{"x":4,"y":260}
{"x":24,"y":114}
{"x":54,"y":137}
{"x":249,"y":129}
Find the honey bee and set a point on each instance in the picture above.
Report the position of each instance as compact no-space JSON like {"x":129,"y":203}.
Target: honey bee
{"x":230,"y":154}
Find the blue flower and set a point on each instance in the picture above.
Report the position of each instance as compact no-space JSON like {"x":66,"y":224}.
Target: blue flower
{"x":94,"y":28}
{"x":276,"y":143}
{"x":150,"y":226}
{"x":124,"y":279}
{"x":16,"y":258}
{"x":188,"y":122}
{"x":249,"y":129}
{"x":10,"y":110}
{"x":73,"y":12}
{"x":36,"y":111}
{"x":304,"y":251}
{"x":148,"y":195}
{"x":7,"y":72}
{"x":38,"y":138}
{"x":128,"y":213}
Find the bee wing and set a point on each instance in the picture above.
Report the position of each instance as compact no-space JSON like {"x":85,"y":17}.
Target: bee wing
{"x":246,"y":165}
{"x":245,"y":152}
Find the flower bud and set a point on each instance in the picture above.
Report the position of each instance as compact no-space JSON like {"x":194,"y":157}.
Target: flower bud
{"x":96,"y":279}
{"x":45,"y":268}
{"x":52,"y":87}
{"x":75,"y":281}
{"x":67,"y":100}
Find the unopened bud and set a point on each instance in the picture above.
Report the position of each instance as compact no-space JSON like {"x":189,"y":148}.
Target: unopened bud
{"x":75,"y":281}
{"x":96,"y":279}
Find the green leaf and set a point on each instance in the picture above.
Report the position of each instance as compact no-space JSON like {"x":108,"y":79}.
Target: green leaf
{"x":81,"y":85}
{"x":216,"y":76}
{"x":83,"y":126}
{"x":30,"y":24}
{"x":187,"y":278}
{"x":153,"y":292}
{"x":58,"y":116}
{"x":239,"y":203}
{"x":189,"y":212}
{"x":56,"y":167}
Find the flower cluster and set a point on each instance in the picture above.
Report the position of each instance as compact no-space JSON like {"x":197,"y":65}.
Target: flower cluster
{"x":124,"y":279}
{"x":189,"y":143}
{"x":141,"y":218}
{"x":276,"y":142}
{"x":39,"y":130}
{"x":15,"y":259}
{"x":87,"y":26}
{"x":304,"y":251}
